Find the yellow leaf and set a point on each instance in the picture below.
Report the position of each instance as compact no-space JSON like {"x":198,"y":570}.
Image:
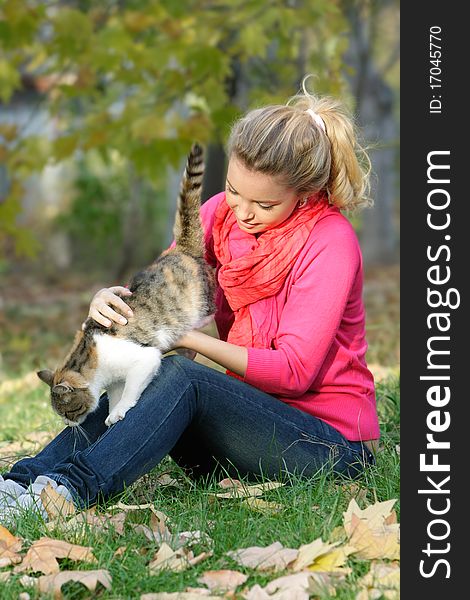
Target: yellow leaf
{"x":375,"y":514}
{"x":333,"y":561}
{"x":262,"y":506}
{"x":381,"y":542}
{"x":308,"y":553}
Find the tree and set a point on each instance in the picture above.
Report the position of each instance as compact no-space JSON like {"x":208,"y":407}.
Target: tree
{"x":144,"y":78}
{"x":375,"y":107}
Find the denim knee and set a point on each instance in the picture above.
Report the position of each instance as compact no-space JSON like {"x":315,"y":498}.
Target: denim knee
{"x":174,"y":364}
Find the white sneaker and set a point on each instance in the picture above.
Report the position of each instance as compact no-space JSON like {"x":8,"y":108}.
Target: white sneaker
{"x":15,"y":499}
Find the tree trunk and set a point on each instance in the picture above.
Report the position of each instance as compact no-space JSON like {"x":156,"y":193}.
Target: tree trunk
{"x":374,"y":107}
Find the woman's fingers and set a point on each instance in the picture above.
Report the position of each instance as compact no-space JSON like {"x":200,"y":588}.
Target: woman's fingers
{"x":100,"y":307}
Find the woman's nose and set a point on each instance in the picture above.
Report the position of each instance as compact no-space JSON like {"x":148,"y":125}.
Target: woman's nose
{"x":245,"y":212}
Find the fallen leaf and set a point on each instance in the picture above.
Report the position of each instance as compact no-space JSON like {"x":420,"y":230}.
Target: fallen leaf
{"x":309,"y":552}
{"x":120,"y":551}
{"x":356,"y":491}
{"x":178,"y":596}
{"x":165,"y":480}
{"x":56,"y":506}
{"x":43,"y":554}
{"x":5,"y":576}
{"x":82,"y":521}
{"x":237,"y":489}
{"x":298,"y":586}
{"x":263,"y":506}
{"x":10,"y":546}
{"x":333,"y":561}
{"x":223,"y":580}
{"x":381,"y":542}
{"x":381,"y":574}
{"x":274,"y":557}
{"x":48,"y":584}
{"x":175,"y":560}
{"x":375,"y":514}
{"x":190,"y":538}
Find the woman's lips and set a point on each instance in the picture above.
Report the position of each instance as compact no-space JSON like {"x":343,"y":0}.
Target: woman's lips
{"x":248,"y":225}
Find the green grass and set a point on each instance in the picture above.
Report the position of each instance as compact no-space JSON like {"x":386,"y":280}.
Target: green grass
{"x":311,"y":508}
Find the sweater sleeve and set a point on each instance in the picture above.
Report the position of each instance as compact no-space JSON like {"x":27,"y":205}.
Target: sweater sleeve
{"x":312,"y":314}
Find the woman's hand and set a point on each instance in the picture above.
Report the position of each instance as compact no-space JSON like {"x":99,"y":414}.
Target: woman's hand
{"x":100,"y":306}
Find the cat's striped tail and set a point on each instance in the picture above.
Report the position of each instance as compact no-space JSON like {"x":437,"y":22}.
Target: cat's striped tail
{"x":189,"y":234}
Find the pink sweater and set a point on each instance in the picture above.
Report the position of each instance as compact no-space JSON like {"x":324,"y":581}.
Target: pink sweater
{"x":317,"y":359}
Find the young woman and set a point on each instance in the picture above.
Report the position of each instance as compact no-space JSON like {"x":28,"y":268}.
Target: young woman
{"x":297,"y":396}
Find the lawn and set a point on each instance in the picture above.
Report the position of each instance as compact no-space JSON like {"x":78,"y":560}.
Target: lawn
{"x":37,"y":327}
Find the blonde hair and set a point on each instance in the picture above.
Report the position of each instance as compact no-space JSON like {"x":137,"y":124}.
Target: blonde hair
{"x":286,"y":141}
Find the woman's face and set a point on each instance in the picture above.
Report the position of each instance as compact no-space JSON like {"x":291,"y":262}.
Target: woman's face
{"x":259,"y":202}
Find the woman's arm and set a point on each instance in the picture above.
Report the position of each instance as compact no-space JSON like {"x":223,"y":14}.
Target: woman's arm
{"x":234,"y":358}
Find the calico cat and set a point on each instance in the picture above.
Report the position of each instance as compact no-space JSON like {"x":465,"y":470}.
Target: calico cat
{"x":169,"y":298}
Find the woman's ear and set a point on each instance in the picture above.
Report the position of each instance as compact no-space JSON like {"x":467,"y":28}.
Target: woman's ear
{"x":46,"y":375}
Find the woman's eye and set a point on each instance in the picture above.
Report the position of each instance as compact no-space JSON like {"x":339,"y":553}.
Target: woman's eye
{"x":266,"y":206}
{"x":229,"y":189}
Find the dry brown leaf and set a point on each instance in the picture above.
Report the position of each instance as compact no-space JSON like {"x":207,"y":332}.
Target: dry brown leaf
{"x":274,"y":557}
{"x":48,"y":584}
{"x":298,"y":586}
{"x":375,"y":514}
{"x":178,"y":596}
{"x":43,"y":554}
{"x":263,"y":506}
{"x":382,"y":575}
{"x":223,"y":580}
{"x":190,"y":538}
{"x":120,"y":551}
{"x":5,"y":576}
{"x":82,"y":521}
{"x":175,"y":560}
{"x":10,"y":546}
{"x":237,"y":489}
{"x":355,"y":491}
{"x":165,"y":480}
{"x":381,"y":542}
{"x":56,"y":506}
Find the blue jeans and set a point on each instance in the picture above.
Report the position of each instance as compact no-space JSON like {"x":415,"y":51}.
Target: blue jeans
{"x":205,"y":420}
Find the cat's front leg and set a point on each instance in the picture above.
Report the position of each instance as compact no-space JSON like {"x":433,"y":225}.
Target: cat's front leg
{"x":138,"y":377}
{"x":114,"y":392}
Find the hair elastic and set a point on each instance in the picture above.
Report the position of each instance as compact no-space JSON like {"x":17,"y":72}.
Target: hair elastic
{"x":318,"y":120}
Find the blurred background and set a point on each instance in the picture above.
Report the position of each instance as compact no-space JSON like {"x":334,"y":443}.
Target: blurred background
{"x":99,"y":104}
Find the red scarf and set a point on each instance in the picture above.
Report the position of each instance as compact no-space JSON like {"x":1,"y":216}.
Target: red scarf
{"x":251,"y":281}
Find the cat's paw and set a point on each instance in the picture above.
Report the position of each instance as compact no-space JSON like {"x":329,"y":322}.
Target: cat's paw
{"x":114,"y":417}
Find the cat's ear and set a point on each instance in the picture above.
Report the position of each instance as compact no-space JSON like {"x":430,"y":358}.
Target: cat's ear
{"x":62,"y":388}
{"x":46,"y":375}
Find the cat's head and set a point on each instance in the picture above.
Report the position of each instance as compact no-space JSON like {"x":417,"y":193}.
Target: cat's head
{"x":71,"y":397}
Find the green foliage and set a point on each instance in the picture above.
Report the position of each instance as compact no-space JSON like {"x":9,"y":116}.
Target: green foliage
{"x":146,"y":78}
{"x":96,"y":220}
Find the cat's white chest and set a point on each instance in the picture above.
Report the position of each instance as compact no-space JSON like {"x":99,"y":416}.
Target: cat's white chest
{"x":116,"y":357}
{"x":124,"y":369}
